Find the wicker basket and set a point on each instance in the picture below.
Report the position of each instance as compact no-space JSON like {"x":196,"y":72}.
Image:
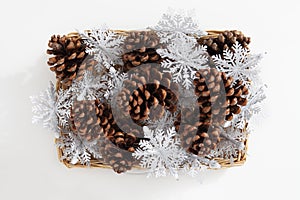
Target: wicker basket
{"x":98,"y":163}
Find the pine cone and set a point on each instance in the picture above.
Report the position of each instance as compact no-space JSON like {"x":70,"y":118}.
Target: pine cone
{"x":140,"y":47}
{"x":211,"y":87}
{"x":84,"y":115}
{"x":116,"y":146}
{"x":118,"y":132}
{"x":88,"y":64}
{"x":226,"y":39}
{"x":235,"y":96}
{"x":68,"y":54}
{"x":148,"y":90}
{"x":200,"y":140}
{"x":141,"y":40}
{"x":218,"y":101}
{"x":120,"y":160}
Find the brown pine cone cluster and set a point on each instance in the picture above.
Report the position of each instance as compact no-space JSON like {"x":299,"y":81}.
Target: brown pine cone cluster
{"x":218,"y":101}
{"x":140,"y":47}
{"x":85,"y":121}
{"x":147,"y":94}
{"x":68,"y":54}
{"x":224,"y":40}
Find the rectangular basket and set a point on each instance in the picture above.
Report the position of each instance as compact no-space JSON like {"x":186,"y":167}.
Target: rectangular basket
{"x":98,"y":163}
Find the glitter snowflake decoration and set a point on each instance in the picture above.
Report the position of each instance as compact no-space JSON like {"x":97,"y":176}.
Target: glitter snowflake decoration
{"x":239,"y":64}
{"x":51,"y":109}
{"x":104,"y":45}
{"x":175,"y":24}
{"x":160,"y":152}
{"x":90,"y":87}
{"x":183,"y":58}
{"x":115,"y":84}
{"x":76,"y":150}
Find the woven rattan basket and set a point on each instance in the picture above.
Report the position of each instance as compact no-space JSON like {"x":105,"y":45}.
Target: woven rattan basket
{"x":98,"y":163}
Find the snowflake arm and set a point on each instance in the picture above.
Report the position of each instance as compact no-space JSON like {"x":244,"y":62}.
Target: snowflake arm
{"x":44,"y":109}
{"x":115,"y":83}
{"x":63,"y":106}
{"x":90,"y":87}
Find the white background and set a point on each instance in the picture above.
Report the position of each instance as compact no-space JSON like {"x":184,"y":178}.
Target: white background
{"x":29,"y":168}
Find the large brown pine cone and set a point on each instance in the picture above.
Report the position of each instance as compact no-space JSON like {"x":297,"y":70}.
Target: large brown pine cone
{"x":224,"y":40}
{"x":117,"y":131}
{"x":147,"y":94}
{"x":68,"y":54}
{"x":88,"y":64}
{"x":85,"y":121}
{"x":116,"y":145}
{"x":218,"y":101}
{"x":140,"y":47}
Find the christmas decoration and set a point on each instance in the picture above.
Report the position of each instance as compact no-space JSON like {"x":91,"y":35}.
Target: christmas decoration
{"x":140,"y":48}
{"x":68,"y":54}
{"x":160,"y":152}
{"x":104,"y":45}
{"x":176,"y":24}
{"x":239,"y":64}
{"x":86,"y":122}
{"x":216,"y":44}
{"x":170,"y":99}
{"x":184,"y":58}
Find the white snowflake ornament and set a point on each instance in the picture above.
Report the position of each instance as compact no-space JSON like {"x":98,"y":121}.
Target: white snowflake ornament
{"x":104,"y":45}
{"x":51,"y":109}
{"x":90,"y":87}
{"x":44,"y":109}
{"x":239,"y":64}
{"x":176,"y":24}
{"x":160,"y":152}
{"x":183,"y":58}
